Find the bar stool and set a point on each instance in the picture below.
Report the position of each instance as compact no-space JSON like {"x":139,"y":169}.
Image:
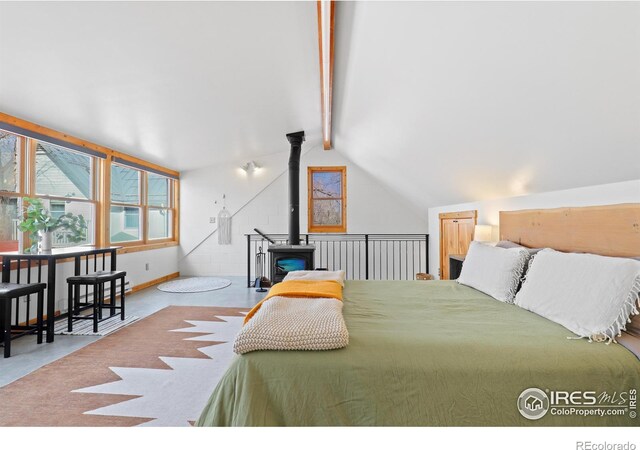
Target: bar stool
{"x":9,"y":291}
{"x":97,"y":281}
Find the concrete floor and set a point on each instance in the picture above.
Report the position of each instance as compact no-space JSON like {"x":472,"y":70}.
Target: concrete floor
{"x":27,"y":356}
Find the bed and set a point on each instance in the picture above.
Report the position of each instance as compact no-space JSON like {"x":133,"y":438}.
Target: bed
{"x":422,"y":353}
{"x":437,"y":353}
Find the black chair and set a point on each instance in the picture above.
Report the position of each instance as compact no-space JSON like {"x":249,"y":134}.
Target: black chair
{"x":8,"y":292}
{"x":97,"y":281}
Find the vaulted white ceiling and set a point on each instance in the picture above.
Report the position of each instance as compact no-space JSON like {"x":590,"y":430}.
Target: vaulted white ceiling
{"x":184,"y":84}
{"x":452,"y":102}
{"x":441,"y":102}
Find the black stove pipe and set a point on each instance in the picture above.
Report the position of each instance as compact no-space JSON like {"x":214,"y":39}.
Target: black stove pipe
{"x":296,"y":140}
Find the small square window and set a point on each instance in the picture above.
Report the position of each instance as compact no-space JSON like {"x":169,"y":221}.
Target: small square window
{"x":327,"y":199}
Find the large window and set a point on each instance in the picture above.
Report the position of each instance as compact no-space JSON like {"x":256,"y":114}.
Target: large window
{"x":60,"y":177}
{"x":327,"y":197}
{"x":138,"y":207}
{"x":142,"y":206}
{"x":64,"y":180}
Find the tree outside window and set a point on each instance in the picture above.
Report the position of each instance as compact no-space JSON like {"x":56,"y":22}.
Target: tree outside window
{"x":327,"y":196}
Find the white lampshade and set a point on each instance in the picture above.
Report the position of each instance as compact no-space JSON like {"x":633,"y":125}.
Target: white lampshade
{"x":482,"y":233}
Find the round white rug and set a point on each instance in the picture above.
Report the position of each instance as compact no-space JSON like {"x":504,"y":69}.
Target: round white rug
{"x":194,"y":284}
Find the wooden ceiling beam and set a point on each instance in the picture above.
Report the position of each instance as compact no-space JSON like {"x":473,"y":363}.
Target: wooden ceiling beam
{"x":326,"y":21}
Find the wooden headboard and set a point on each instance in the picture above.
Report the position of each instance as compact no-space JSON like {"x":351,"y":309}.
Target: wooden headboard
{"x":612,"y":230}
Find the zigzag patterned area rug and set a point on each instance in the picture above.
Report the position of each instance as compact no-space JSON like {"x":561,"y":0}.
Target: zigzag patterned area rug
{"x":159,"y":371}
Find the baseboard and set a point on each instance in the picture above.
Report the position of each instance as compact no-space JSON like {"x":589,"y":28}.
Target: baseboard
{"x":134,"y":289}
{"x":35,"y":320}
{"x":142,"y":286}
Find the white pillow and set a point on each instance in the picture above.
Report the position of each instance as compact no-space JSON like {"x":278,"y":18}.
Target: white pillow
{"x":493,"y":270}
{"x":591,"y":295}
{"x":316,"y":275}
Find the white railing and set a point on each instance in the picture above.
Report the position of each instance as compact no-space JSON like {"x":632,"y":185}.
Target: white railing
{"x":361,"y":256}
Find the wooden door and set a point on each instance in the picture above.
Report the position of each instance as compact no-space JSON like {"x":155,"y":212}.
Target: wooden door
{"x":456,"y":233}
{"x":465,"y":234}
{"x":449,"y":241}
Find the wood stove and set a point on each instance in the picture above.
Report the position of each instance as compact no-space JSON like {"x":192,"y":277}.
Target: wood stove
{"x":293,"y":256}
{"x":287,"y":258}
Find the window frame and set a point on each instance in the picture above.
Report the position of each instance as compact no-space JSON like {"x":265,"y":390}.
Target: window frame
{"x":31,"y":171}
{"x":310,"y":200}
{"x":21,"y":185}
{"x":139,"y":205}
{"x":102,"y":157}
{"x":144,"y":207}
{"x":171,"y":198}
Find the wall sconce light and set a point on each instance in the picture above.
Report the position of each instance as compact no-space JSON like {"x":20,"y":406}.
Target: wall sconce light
{"x":250,"y":167}
{"x":482,"y":233}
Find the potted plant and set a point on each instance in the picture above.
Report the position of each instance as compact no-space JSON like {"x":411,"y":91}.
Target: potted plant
{"x":40,"y":225}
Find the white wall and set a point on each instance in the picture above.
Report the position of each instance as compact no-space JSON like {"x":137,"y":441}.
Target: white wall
{"x":162,"y":262}
{"x":201,"y":194}
{"x":488,"y":210}
{"x":371,"y":208}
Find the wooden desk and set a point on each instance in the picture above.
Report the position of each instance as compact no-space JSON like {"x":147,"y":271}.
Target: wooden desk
{"x":51,"y":258}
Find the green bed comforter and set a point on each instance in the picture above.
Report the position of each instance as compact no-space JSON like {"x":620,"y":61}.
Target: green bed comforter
{"x":429,"y":353}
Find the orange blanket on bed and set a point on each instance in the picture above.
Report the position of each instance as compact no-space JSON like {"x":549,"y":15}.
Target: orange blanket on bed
{"x":302,"y":289}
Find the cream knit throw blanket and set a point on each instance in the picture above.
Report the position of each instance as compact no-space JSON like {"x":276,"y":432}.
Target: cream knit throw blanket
{"x":294,"y":323}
